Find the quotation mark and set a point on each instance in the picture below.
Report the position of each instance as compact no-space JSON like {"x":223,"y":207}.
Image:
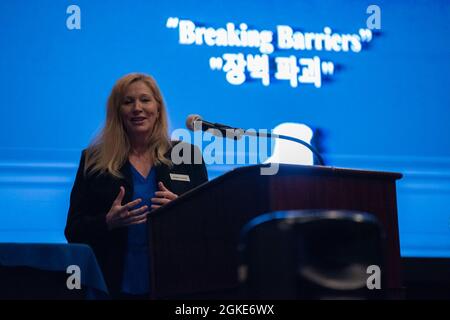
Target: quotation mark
{"x":327,"y":67}
{"x":215,"y":63}
{"x":172,"y":23}
{"x":366,"y":35}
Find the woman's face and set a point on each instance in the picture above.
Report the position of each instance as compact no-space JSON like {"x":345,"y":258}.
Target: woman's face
{"x":139,"y":109}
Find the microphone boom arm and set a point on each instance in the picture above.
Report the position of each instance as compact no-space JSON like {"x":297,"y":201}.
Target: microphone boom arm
{"x":195,"y":122}
{"x":284,"y":137}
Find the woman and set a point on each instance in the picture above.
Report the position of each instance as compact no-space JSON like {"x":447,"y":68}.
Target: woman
{"x":124,"y":174}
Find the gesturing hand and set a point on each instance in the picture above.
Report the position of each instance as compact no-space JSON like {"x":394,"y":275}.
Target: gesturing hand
{"x":163,"y":196}
{"x":120,"y":215}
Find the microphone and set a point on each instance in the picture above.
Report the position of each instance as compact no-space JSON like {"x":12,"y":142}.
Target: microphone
{"x":194,"y":122}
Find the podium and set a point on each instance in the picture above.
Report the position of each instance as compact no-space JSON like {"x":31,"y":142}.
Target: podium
{"x":194,"y":238}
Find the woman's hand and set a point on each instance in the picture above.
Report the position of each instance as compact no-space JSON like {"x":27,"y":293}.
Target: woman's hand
{"x":121,"y":216}
{"x":163,"y":196}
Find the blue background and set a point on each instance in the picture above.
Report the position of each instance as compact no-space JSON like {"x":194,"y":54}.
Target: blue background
{"x":387,"y":107}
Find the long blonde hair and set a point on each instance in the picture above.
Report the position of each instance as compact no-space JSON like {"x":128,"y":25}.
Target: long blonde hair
{"x":109,"y":151}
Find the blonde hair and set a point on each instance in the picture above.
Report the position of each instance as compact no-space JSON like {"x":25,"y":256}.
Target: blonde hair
{"x":109,"y":151}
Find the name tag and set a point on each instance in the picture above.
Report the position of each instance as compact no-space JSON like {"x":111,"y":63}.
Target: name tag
{"x":179,"y":177}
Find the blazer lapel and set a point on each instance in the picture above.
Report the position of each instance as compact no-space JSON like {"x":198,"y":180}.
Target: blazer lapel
{"x":163,"y":170}
{"x":163,"y":174}
{"x":128,"y":179}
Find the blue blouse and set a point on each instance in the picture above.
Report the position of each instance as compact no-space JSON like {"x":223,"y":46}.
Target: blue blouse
{"x":136,"y":271}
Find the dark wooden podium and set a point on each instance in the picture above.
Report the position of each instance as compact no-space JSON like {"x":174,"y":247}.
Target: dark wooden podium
{"x":194,"y":239}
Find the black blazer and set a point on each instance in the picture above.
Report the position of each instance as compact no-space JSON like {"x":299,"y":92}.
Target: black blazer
{"x":92,"y":197}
